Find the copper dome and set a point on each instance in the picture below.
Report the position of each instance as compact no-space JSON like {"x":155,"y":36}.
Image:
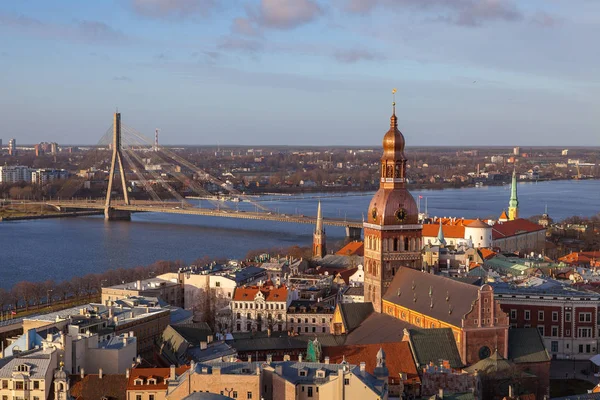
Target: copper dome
{"x":393,"y":142}
{"x":393,"y":207}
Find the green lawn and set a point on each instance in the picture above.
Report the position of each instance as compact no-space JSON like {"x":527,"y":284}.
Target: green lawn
{"x":568,"y":387}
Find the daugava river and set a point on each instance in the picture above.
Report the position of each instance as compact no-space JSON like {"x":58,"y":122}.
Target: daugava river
{"x":61,"y":248}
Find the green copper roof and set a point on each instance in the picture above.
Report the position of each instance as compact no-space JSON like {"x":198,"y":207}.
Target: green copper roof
{"x":514,"y":201}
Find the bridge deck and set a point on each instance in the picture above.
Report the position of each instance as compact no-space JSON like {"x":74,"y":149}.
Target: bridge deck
{"x":176,"y":208}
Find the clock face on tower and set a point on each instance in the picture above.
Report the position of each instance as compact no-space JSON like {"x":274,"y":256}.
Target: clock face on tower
{"x":374,"y":213}
{"x":400,"y":214}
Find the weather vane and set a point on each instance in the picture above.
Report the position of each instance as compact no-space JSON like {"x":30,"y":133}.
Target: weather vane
{"x":394,"y":99}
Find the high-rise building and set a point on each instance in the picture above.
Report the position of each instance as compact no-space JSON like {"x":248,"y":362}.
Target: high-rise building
{"x":513,"y":204}
{"x":12,"y":147}
{"x":319,"y":239}
{"x":15,"y":174}
{"x":392,"y":231}
{"x":516,"y":150}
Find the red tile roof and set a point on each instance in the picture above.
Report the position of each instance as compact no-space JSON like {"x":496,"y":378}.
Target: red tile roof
{"x":486,"y":254}
{"x":398,"y":357}
{"x":270,"y":293}
{"x":91,"y":387}
{"x":355,"y":248}
{"x":450,"y":231}
{"x":582,"y":257}
{"x":160,"y":374}
{"x":347,"y":273}
{"x":515,"y":227}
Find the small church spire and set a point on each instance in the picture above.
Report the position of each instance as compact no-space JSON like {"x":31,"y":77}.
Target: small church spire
{"x":440,"y":237}
{"x":513,"y":204}
{"x":393,"y":119}
{"x":319,"y":240}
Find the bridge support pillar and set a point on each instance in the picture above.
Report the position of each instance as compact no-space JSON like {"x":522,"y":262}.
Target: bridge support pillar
{"x":110,"y":214}
{"x":353,"y":233}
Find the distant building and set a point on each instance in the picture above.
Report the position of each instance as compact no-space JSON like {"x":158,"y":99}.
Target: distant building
{"x":169,"y":290}
{"x":516,"y":150}
{"x":15,"y":174}
{"x":306,"y":317}
{"x":12,"y":147}
{"x":46,"y":175}
{"x":565,"y":152}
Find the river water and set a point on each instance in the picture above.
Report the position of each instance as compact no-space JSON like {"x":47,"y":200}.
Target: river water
{"x":61,"y":248}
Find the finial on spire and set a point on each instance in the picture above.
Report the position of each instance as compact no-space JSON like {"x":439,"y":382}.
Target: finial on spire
{"x":394,"y":101}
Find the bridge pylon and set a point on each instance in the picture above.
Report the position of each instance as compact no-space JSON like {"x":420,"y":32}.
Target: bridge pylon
{"x":117,"y":158}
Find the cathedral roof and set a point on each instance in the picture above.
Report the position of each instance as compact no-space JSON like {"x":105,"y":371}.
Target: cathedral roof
{"x":418,"y":291}
{"x":478,"y":224}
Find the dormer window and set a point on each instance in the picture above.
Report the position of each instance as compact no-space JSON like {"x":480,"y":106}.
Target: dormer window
{"x":152,"y":381}
{"x":303,"y":372}
{"x":22,"y":368}
{"x":320,"y":374}
{"x":138,"y":382}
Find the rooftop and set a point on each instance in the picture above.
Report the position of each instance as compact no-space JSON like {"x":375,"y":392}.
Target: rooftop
{"x":433,"y":345}
{"x":268,"y":292}
{"x":511,"y":228}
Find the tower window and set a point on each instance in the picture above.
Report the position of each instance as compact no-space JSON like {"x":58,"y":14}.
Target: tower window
{"x":395,"y":244}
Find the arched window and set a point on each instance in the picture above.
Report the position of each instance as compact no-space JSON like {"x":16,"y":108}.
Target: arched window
{"x":395,"y":244}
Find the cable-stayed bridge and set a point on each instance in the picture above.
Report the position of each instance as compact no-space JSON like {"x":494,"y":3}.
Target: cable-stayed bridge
{"x":127,"y":144}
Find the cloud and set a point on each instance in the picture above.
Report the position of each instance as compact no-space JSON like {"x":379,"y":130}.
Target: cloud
{"x":86,"y":30}
{"x":353,"y":56}
{"x":122,"y":78}
{"x":285,"y":14}
{"x":161,"y":57}
{"x":545,"y":20}
{"x":244,"y":26}
{"x":173,"y":8}
{"x":459,"y":12}
{"x":239,"y":44}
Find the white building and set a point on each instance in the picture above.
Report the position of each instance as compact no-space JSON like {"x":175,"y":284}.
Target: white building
{"x":258,"y":308}
{"x":15,"y":174}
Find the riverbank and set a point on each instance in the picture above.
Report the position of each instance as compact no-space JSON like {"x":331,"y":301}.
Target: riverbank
{"x":69,"y":214}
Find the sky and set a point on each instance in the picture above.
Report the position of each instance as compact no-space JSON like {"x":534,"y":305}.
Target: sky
{"x":302,"y":72}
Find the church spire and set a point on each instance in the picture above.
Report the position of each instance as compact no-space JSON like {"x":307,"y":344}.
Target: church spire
{"x":319,"y":240}
{"x":513,"y":204}
{"x":440,"y":237}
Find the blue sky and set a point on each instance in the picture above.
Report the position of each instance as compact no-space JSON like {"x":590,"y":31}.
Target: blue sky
{"x":468,"y":72}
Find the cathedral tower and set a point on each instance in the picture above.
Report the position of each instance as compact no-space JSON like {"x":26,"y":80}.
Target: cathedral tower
{"x":392,"y":231}
{"x":513,"y":204}
{"x":319,"y":243}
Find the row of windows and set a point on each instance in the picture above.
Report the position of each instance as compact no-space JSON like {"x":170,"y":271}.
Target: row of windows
{"x":314,"y":320}
{"x":259,"y":306}
{"x":258,"y":317}
{"x":21,"y":385}
{"x":583,"y":316}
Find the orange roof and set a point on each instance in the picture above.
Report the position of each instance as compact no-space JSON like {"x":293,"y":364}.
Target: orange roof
{"x":455,"y":221}
{"x":450,"y":231}
{"x":398,"y":357}
{"x":160,"y":374}
{"x":583,"y":257}
{"x":503,"y":215}
{"x":486,"y":254}
{"x":515,"y":227}
{"x":355,"y":248}
{"x":270,"y":293}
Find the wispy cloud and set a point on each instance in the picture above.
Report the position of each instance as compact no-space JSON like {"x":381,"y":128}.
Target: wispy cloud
{"x":356,"y":55}
{"x":284,"y":14}
{"x":173,"y":8}
{"x":545,"y":19}
{"x":244,"y":26}
{"x":240,"y":44}
{"x":122,"y":78}
{"x":459,"y":12}
{"x":86,"y":30}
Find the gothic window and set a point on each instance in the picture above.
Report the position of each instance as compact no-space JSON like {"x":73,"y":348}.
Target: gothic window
{"x":397,"y":174}
{"x":395,"y":244}
{"x":405,"y":243}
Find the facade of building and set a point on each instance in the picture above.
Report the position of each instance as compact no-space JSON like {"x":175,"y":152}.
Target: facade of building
{"x":15,"y":173}
{"x":28,"y":376}
{"x":392,"y":233}
{"x":47,"y":175}
{"x":259,"y":308}
{"x":168,"y":288}
{"x":12,"y":147}
{"x":566,"y":319}
{"x":519,"y":235}
{"x":306,"y":317}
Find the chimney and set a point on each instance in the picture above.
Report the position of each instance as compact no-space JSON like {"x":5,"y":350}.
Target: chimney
{"x":192,"y":366}
{"x":249,"y":359}
{"x":100,"y":373}
{"x":510,"y":392}
{"x":82,"y":373}
{"x":172,"y":373}
{"x":203,"y":345}
{"x":111,"y":312}
{"x":286,"y":357}
{"x":127,"y":373}
{"x":138,"y":285}
{"x":49,"y":337}
{"x":269,"y":358}
{"x":441,"y":393}
{"x":326,"y":359}
{"x":125,"y":340}
{"x":300,"y":357}
{"x":363,"y":367}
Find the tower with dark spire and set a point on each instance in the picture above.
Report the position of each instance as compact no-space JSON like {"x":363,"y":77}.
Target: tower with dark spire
{"x":513,"y":204}
{"x":319,"y":241}
{"x":392,"y":232}
{"x":441,"y":241}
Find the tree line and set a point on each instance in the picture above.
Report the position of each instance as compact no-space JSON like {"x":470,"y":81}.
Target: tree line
{"x":26,"y":294}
